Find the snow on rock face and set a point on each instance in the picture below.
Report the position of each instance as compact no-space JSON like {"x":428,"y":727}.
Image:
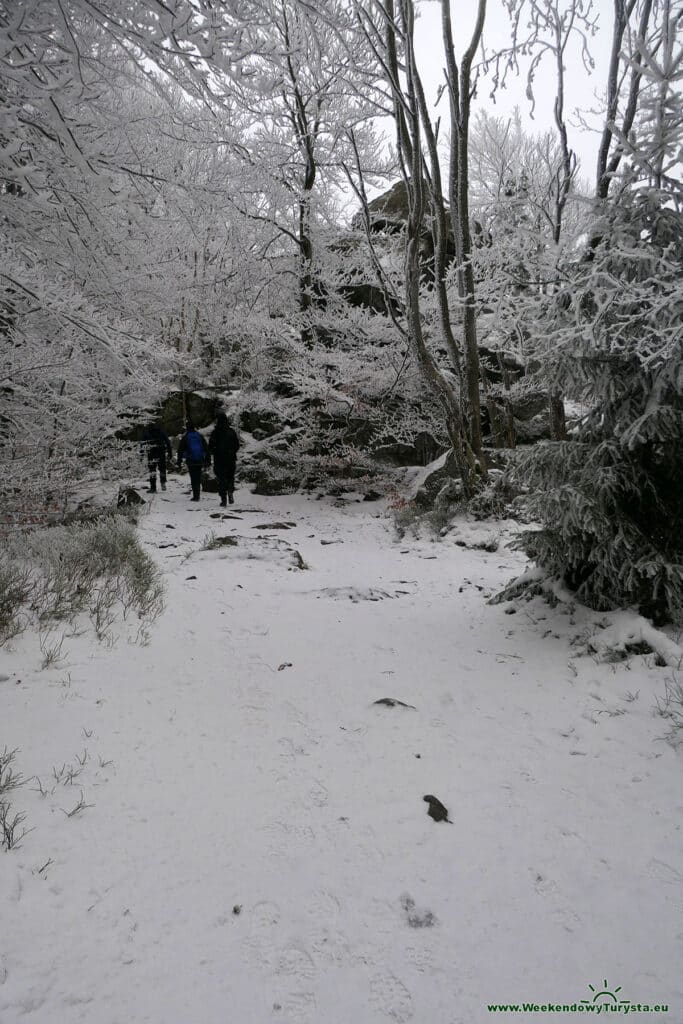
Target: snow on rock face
{"x":239,"y":761}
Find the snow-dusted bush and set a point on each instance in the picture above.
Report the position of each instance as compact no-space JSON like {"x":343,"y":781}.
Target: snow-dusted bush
{"x":670,"y":706}
{"x":99,"y":570}
{"x":609,"y":500}
{"x":11,"y":831}
{"x":15,"y":589}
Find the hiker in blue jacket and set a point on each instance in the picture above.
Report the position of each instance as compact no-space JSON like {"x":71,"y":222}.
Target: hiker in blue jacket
{"x":194,"y":450}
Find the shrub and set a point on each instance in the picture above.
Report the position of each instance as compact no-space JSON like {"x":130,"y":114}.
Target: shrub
{"x":10,"y":836}
{"x":609,"y":500}
{"x":99,"y":569}
{"x":15,"y":589}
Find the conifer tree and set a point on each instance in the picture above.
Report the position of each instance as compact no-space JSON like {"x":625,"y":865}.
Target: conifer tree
{"x":609,"y":498}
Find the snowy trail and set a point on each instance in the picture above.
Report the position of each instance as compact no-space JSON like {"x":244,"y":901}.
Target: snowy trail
{"x":216,"y":780}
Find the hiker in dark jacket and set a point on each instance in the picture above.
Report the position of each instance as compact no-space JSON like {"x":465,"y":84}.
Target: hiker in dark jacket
{"x":193,"y":449}
{"x":223,"y":445}
{"x":157,"y":447}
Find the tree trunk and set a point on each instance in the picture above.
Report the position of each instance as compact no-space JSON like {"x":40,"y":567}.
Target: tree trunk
{"x":558,"y":424}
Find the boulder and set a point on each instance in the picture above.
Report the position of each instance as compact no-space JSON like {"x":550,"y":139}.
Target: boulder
{"x":129,"y":498}
{"x":421,"y":452}
{"x":532,"y":430}
{"x":261,"y":423}
{"x":353,"y":430}
{"x":271,"y":481}
{"x":501,"y":365}
{"x":445,"y":472}
{"x":369,"y":296}
{"x":398,"y":453}
{"x":388,"y":212}
{"x":201,"y":409}
{"x":529,"y":405}
{"x":449,"y":494}
{"x":172,"y":415}
{"x":209,"y":483}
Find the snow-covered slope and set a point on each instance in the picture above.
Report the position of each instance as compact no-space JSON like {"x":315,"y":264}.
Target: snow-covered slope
{"x":255,"y":846}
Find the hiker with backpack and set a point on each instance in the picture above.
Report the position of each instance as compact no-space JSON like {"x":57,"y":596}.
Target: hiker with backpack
{"x":157,"y":447}
{"x":223,"y":446}
{"x":194,"y":450}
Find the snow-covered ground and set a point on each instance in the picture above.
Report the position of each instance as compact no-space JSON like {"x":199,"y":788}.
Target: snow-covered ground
{"x":255,"y":847}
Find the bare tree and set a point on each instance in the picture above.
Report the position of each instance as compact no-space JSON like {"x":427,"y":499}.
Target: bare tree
{"x":389,"y":29}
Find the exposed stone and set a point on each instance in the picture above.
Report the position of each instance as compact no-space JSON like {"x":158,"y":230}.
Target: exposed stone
{"x":501,"y":365}
{"x":369,"y":296}
{"x":530,"y":405}
{"x":388,"y":212}
{"x":269,"y":482}
{"x":398,"y":453}
{"x":261,"y":423}
{"x":273,"y":526}
{"x":450,"y":493}
{"x":199,"y":408}
{"x":129,"y":498}
{"x":209,"y":483}
{"x":421,"y":452}
{"x":356,"y":430}
{"x":172,"y":415}
{"x":434,"y":482}
{"x":536,"y":429}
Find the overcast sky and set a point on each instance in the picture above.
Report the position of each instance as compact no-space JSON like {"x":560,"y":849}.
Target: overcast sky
{"x":584,"y":91}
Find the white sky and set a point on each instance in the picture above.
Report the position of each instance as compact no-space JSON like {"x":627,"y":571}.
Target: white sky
{"x":584,"y":91}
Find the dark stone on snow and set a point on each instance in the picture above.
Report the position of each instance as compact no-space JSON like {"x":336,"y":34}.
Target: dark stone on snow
{"x":270,"y":483}
{"x":436,"y":809}
{"x":274,"y":526}
{"x":299,"y":562}
{"x":393,"y":702}
{"x":372,"y":496}
{"x":415,"y":917}
{"x":129,"y":498}
{"x":638,"y":647}
{"x":487,"y":544}
{"x":222,"y":542}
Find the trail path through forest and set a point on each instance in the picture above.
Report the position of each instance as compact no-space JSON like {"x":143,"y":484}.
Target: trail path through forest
{"x":255,"y":846}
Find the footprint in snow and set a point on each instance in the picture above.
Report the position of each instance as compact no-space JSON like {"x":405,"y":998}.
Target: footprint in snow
{"x":391,"y":998}
{"x":356,"y":594}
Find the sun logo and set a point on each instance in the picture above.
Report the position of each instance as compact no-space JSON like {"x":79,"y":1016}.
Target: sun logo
{"x":605,"y":993}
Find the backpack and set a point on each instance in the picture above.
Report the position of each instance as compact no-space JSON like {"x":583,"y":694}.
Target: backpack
{"x":194,"y":446}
